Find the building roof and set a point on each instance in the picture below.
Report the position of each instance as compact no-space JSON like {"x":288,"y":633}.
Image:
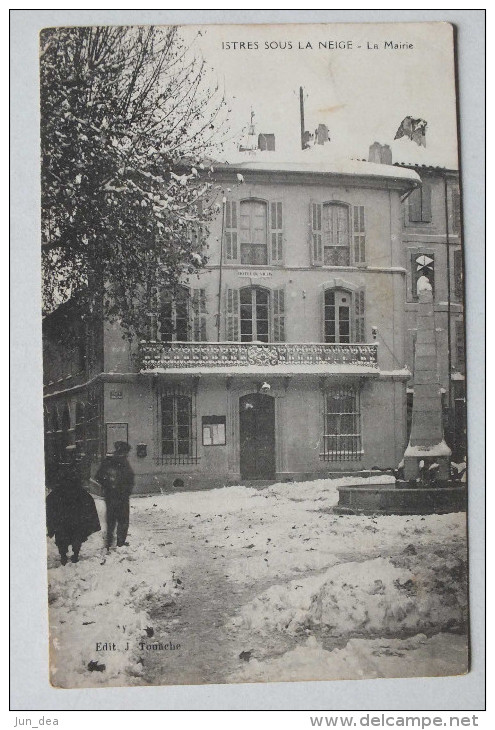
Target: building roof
{"x":320,"y":159}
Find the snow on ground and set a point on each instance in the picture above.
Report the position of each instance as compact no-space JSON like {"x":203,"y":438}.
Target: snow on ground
{"x":296,"y":586}
{"x":103,"y":598}
{"x":418,"y":656}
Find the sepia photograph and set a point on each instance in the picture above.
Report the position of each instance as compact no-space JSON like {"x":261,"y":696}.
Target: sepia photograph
{"x":254,"y":368}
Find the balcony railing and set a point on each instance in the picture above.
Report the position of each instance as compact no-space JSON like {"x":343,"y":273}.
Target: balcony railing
{"x":176,"y":355}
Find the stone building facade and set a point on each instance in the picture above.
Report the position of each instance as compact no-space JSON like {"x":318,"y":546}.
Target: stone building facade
{"x":285,"y":359}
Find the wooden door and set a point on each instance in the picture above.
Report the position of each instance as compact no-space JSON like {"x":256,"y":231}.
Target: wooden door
{"x":257,"y":436}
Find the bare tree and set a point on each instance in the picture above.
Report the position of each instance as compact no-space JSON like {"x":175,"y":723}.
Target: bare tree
{"x":128,"y":120}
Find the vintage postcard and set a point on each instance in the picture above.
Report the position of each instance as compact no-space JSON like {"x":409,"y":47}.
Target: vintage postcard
{"x":254,"y":371}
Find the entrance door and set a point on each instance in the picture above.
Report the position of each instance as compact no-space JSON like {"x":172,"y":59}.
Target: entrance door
{"x":257,"y":436}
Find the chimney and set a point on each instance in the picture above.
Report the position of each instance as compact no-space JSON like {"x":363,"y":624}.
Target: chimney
{"x":266,"y":142}
{"x":380,"y":153}
{"x":322,"y":134}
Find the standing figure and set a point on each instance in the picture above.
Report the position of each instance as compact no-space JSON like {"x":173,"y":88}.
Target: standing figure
{"x":70,"y":510}
{"x":117,"y":480}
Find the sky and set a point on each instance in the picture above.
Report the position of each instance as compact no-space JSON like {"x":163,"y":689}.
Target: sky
{"x":361,"y":93}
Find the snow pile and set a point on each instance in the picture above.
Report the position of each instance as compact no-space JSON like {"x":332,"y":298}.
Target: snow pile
{"x":378,"y":596}
{"x":418,"y":656}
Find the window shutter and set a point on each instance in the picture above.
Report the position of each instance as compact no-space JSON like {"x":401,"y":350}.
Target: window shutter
{"x":231,"y":236}
{"x":359,"y":316}
{"x":232,"y":322}
{"x":458,"y":279}
{"x":359,"y":235}
{"x":426,"y":203}
{"x":415,"y":206}
{"x":315,"y":212}
{"x":278,"y":315}
{"x":199,"y":315}
{"x":276,"y":228}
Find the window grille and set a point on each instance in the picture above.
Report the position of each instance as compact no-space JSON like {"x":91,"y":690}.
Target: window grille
{"x":178,"y":437}
{"x":342,"y":439}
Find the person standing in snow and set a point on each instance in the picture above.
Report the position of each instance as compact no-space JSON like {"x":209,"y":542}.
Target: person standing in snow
{"x":117,"y":480}
{"x":71,"y":514}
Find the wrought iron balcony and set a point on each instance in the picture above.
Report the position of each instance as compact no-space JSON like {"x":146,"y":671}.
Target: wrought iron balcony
{"x":156,"y":356}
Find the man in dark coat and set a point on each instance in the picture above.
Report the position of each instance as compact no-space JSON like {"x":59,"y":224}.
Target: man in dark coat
{"x":117,"y":480}
{"x":70,"y":511}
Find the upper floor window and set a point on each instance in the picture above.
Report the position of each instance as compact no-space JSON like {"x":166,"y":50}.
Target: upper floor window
{"x":336,"y":244}
{"x":253,"y":232}
{"x":183,"y":316}
{"x":420,"y":204}
{"x":338,"y":234}
{"x":344,"y":316}
{"x":174,"y":316}
{"x":254,"y":249}
{"x":255,"y":314}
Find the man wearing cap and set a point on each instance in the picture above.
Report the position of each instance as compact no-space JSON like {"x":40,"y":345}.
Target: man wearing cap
{"x":117,"y":479}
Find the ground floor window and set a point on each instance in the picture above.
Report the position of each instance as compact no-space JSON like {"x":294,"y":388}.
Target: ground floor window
{"x":342,"y":424}
{"x":178,"y":428}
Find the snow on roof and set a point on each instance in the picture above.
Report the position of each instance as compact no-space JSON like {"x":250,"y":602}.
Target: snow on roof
{"x":318,"y":159}
{"x":407,"y":152}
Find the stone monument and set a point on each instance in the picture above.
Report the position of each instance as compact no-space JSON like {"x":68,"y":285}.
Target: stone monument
{"x":426,"y":446}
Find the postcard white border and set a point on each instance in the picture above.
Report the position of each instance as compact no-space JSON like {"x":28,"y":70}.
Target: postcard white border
{"x":30,"y":689}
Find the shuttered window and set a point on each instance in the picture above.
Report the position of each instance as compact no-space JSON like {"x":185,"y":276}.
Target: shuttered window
{"x":253,"y":232}
{"x":335,"y":234}
{"x":174,"y":316}
{"x":255,"y":314}
{"x":332,"y":232}
{"x":420,"y":204}
{"x":344,"y":316}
